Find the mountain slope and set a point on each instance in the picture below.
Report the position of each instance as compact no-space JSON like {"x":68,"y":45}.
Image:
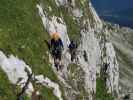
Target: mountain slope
{"x":22,"y":34}
{"x":24,"y":28}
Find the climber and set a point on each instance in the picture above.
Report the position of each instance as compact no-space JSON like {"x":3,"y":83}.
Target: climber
{"x":106,"y":65}
{"x":72,"y":49}
{"x":56,"y":47}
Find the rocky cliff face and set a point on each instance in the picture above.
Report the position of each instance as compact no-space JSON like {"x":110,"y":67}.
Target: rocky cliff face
{"x":121,"y":39}
{"x":100,"y":56}
{"x":94,"y":44}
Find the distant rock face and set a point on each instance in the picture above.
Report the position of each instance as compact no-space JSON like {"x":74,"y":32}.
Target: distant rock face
{"x":94,"y":42}
{"x":112,"y":69}
{"x":121,"y":38}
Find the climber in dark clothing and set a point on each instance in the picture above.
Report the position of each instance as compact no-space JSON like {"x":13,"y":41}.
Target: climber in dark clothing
{"x":56,"y":47}
{"x":72,"y":48}
{"x":106,"y":65}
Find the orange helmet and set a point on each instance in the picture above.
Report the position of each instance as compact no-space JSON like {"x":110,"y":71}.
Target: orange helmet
{"x":55,"y":36}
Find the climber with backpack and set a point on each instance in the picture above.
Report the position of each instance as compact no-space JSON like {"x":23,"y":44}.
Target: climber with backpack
{"x":56,"y":48}
{"x":72,"y":49}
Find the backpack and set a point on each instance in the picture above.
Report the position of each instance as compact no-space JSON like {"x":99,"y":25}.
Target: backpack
{"x":73,"y":45}
{"x":56,"y":47}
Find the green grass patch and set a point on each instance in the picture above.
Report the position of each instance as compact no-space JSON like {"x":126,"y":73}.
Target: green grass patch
{"x":45,"y":93}
{"x":101,"y":91}
{"x":6,"y":90}
{"x":22,"y":34}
